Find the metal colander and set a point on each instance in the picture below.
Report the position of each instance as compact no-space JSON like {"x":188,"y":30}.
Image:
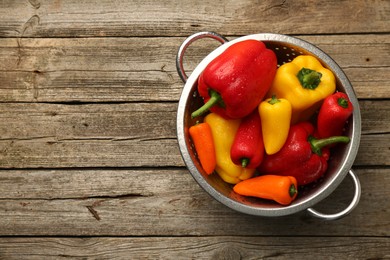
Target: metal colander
{"x":286,"y":49}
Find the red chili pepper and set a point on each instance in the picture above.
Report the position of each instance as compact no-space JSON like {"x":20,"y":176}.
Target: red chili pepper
{"x":248,"y":147}
{"x":235,"y":82}
{"x":302,"y":156}
{"x":334,"y":112}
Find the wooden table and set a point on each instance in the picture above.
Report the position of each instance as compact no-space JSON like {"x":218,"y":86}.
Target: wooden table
{"x":89,"y":162}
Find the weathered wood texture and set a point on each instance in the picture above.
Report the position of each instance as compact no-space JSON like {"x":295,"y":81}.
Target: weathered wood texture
{"x":167,"y":18}
{"x":196,"y":248}
{"x":167,"y":202}
{"x":139,"y":69}
{"x":128,"y":135}
{"x":89,"y":162}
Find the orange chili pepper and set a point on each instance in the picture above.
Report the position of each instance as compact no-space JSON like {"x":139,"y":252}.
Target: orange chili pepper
{"x":282,"y":189}
{"x":204,"y":145}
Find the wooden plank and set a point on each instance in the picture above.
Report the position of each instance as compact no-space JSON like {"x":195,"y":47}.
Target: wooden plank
{"x":87,"y":183}
{"x":59,"y":18}
{"x":109,"y":69}
{"x":196,"y":248}
{"x":127,"y":135}
{"x":143,"y":69}
{"x":167,"y":202}
{"x":372,"y":113}
{"x":119,"y":135}
{"x":104,"y":178}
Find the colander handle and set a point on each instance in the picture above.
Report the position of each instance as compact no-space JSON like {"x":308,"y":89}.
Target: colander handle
{"x":348,"y":209}
{"x":187,"y":42}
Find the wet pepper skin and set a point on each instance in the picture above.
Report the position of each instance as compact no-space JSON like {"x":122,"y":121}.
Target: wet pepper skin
{"x":241,"y":76}
{"x":275,"y":117}
{"x":248,"y":147}
{"x":224,"y":131}
{"x":305,"y":83}
{"x":334,"y":114}
{"x":302,"y":156}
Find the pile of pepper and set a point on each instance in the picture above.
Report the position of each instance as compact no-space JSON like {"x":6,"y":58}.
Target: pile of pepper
{"x":268,"y":130}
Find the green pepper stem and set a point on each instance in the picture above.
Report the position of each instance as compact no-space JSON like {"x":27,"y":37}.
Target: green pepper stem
{"x":318,"y":144}
{"x":342,"y":102}
{"x":292,"y":191}
{"x":244,"y":162}
{"x":274,"y":100}
{"x":215,"y":98}
{"x":309,"y":79}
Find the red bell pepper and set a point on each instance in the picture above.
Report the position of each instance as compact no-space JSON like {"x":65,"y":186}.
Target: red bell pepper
{"x":248,"y":147}
{"x":235,"y":82}
{"x":302,"y":156}
{"x":333,"y":114}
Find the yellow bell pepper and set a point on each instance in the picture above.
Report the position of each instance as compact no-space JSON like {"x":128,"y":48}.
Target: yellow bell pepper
{"x":275,"y":117}
{"x":224,"y":131}
{"x":304,"y":82}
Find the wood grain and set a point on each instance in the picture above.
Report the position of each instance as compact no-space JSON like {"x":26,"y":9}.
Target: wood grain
{"x":119,"y":135}
{"x":89,"y":163}
{"x":228,"y":247}
{"x":167,"y":202}
{"x":170,"y":18}
{"x":126,"y":135}
{"x":143,"y":69}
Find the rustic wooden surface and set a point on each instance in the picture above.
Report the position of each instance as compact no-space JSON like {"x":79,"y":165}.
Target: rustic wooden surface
{"x":89,"y":163}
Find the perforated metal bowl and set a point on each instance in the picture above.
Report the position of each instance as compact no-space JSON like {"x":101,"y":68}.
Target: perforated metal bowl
{"x":286,"y":49}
